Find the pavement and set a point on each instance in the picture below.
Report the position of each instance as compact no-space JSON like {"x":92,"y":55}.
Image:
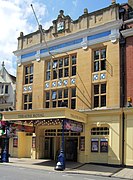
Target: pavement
{"x":73,"y":167}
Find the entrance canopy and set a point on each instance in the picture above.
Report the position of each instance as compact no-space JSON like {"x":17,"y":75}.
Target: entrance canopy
{"x":44,"y":114}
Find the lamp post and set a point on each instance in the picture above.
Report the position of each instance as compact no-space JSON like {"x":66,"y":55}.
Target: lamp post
{"x":61,"y":157}
{"x":5,"y":145}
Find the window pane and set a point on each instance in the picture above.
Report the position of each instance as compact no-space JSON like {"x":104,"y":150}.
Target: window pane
{"x":66,"y":61}
{"x":54,"y":95}
{"x":66,"y":73}
{"x":54,"y":74}
{"x":66,"y":103}
{"x":96,"y":54}
{"x":59,"y":94}
{"x":26,"y":70}
{"x":25,"y":98}
{"x":47,"y":104}
{"x":48,"y":66}
{"x":65,"y":93}
{"x":103,"y":88}
{"x":96,"y":66}
{"x":31,"y":79}
{"x":26,"y":79}
{"x":96,"y":89}
{"x":31,"y":69}
{"x":73,"y":60}
{"x":47,"y":95}
{"x":96,"y":101}
{"x":73,"y":103}
{"x":73,"y":70}
{"x":59,"y":103}
{"x":55,"y":64}
{"x":103,"y":53}
{"x":103,"y":100}
{"x":54,"y":104}
{"x":48,"y":75}
{"x":30,"y":97}
{"x":60,"y":62}
{"x":30,"y":106}
{"x":103,"y":64}
{"x":25,"y":106}
{"x":60,"y":73}
{"x":6,"y":89}
{"x":74,"y":92}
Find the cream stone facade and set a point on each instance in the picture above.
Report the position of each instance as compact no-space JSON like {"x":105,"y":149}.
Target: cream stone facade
{"x":77,"y":63}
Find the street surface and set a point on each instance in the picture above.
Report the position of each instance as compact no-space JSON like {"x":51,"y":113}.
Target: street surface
{"x":21,"y":173}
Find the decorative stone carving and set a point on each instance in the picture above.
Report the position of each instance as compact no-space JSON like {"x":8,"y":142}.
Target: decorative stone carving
{"x":114,"y":35}
{"x":84,"y":43}
{"x":38,"y":56}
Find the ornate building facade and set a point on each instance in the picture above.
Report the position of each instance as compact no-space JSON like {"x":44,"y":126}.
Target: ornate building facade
{"x":77,"y":64}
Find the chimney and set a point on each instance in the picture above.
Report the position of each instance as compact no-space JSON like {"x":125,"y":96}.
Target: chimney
{"x":130,"y":2}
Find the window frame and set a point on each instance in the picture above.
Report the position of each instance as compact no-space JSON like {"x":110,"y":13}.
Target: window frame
{"x":28,"y":74}
{"x":99,"y":61}
{"x":98,"y":95}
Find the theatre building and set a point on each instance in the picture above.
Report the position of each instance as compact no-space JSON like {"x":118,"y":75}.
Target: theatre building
{"x":74,"y":64}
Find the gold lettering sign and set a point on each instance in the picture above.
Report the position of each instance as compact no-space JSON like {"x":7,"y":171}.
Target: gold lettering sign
{"x":30,"y":115}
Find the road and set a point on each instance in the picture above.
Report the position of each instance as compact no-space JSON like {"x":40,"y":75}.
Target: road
{"x":19,"y":173}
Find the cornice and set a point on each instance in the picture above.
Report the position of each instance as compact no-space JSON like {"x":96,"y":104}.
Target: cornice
{"x":81,"y":34}
{"x":127,"y":32}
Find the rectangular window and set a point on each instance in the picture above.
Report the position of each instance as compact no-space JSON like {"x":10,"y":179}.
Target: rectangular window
{"x":99,"y":60}
{"x":27,"y":101}
{"x":62,"y":67}
{"x":99,"y":95}
{"x":55,"y":98}
{"x":28,"y":74}
{"x":6,"y":89}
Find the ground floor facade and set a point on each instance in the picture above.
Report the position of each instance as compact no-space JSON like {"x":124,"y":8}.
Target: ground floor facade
{"x":97,"y":136}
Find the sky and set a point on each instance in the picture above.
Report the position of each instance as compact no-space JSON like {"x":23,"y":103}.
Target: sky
{"x":17,"y":16}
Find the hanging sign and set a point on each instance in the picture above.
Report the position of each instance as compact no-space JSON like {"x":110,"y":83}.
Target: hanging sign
{"x":73,"y":126}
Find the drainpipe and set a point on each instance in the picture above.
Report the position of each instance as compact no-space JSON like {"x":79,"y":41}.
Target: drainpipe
{"x":122,"y":92}
{"x":123,"y":140}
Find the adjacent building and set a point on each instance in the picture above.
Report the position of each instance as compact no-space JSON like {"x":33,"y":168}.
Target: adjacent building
{"x":77,"y":65}
{"x":7,"y":90}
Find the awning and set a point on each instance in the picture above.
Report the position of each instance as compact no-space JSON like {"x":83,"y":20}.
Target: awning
{"x":44,"y":114}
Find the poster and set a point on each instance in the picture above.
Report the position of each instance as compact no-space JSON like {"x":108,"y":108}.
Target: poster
{"x":15,"y":142}
{"x":82,"y":143}
{"x":104,"y":145}
{"x":94,"y":145}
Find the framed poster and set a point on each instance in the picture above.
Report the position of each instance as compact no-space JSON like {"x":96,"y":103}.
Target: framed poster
{"x":94,"y":145}
{"x":82,"y":143}
{"x":104,"y":145}
{"x":15,"y":142}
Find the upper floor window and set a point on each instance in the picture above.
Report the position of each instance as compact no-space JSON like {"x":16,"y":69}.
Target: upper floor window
{"x":6,"y":89}
{"x":55,"y":98}
{"x":61,"y":67}
{"x":28,"y":74}
{"x":99,"y":60}
{"x":27,"y":99}
{"x":99,"y":95}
